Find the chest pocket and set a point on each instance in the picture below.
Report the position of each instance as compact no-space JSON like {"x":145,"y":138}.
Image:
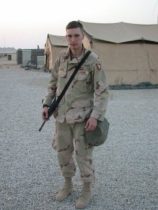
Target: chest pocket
{"x":83,"y":81}
{"x":62,"y":72}
{"x":82,"y":75}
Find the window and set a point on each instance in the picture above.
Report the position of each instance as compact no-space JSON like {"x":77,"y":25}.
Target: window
{"x":9,"y":57}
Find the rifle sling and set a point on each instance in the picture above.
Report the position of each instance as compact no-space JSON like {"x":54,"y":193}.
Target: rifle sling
{"x":72,"y":77}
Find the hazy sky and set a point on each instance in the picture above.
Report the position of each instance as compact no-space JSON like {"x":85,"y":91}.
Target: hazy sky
{"x":26,"y":23}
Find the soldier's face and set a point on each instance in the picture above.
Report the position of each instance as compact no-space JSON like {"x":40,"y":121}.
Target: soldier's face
{"x":74,"y":37}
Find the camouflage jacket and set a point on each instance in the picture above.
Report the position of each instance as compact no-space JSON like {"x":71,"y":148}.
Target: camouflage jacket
{"x":86,"y":96}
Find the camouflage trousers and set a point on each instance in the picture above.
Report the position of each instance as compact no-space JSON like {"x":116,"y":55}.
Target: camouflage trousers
{"x":69,"y":143}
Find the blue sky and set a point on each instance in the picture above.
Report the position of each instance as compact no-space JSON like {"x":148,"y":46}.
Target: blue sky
{"x":25,"y":24}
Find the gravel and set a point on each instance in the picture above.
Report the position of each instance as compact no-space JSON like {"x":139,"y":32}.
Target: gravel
{"x":126,"y":165}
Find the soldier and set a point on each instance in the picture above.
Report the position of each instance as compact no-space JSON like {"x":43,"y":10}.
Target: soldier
{"x":83,"y":104}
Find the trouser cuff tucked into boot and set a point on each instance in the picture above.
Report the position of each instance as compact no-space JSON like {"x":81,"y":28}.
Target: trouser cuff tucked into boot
{"x":66,"y":190}
{"x":84,"y":199}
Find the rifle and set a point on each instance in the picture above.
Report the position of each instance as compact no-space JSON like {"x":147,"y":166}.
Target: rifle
{"x":51,"y":109}
{"x":56,"y":102}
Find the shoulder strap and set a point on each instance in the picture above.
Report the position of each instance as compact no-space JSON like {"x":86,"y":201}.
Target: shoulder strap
{"x":56,"y":102}
{"x":73,"y":75}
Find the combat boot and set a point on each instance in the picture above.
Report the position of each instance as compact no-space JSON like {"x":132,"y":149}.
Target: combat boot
{"x":85,"y":196}
{"x":66,"y":190}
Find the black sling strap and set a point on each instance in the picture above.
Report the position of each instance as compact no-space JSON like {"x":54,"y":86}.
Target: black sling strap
{"x":73,"y":75}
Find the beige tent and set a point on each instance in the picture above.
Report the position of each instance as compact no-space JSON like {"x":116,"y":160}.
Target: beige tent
{"x":129,"y":51}
{"x":54,"y":44}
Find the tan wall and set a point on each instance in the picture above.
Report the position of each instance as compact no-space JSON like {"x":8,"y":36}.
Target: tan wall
{"x":56,"y":51}
{"x":52,"y":53}
{"x":128,"y":63}
{"x":86,"y":42}
{"x":4,"y":59}
{"x":48,"y":53}
{"x":152,"y":58}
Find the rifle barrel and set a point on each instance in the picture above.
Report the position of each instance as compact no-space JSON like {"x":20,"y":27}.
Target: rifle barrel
{"x":42,"y":125}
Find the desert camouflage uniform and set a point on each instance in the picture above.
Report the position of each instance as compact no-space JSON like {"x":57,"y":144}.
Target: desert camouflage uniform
{"x":86,"y":97}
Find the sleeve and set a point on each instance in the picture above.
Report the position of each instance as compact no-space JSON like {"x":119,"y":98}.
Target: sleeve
{"x":101,"y":94}
{"x":52,"y":85}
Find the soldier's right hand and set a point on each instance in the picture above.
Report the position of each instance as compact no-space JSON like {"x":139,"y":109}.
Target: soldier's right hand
{"x":45,"y":113}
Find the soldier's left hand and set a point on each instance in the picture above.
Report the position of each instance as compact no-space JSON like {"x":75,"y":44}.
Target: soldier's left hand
{"x":91,"y":124}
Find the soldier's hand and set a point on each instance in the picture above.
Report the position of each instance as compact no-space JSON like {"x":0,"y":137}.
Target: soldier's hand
{"x":91,"y":124}
{"x":45,"y":113}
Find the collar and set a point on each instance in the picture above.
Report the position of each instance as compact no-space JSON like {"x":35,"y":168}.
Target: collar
{"x":69,"y":55}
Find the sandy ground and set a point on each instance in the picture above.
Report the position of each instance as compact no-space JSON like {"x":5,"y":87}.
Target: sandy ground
{"x":126,"y":165}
